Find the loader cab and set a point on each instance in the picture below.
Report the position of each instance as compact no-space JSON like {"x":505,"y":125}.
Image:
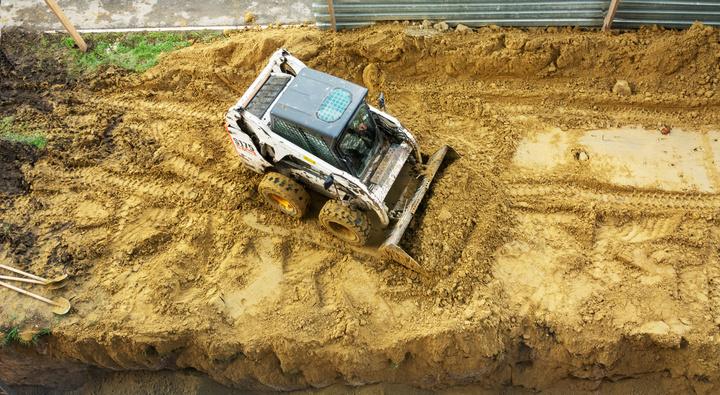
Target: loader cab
{"x":329,"y":118}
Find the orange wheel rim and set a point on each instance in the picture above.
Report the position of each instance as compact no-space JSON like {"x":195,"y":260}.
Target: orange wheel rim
{"x":281,"y":203}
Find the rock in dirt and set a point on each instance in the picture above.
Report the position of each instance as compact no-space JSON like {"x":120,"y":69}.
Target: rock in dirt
{"x":463,"y":29}
{"x":622,"y":88}
{"x":442,"y":26}
{"x":249,"y":17}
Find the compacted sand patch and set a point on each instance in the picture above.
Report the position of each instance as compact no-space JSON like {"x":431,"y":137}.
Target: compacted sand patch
{"x":559,"y":258}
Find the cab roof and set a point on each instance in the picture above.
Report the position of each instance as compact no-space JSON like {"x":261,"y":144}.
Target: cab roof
{"x":319,"y":102}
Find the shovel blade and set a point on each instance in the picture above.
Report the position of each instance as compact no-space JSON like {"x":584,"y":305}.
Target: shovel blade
{"x":57,"y":282}
{"x":62,"y":306}
{"x":62,"y":279}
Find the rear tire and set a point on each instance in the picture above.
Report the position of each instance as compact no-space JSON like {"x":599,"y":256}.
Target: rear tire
{"x":346,"y":223}
{"x":284,"y":194}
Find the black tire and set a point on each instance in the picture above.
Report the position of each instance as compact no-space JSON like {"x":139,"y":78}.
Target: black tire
{"x":346,"y":223}
{"x":284,"y":194}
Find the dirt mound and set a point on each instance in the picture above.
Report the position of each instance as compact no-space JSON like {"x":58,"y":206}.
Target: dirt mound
{"x":557,"y":258}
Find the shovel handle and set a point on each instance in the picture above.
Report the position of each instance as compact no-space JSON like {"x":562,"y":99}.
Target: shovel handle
{"x":25,"y":280}
{"x":32,"y":295}
{"x":18,"y":271}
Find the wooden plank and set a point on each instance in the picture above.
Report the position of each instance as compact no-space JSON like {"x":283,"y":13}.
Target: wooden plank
{"x":332,"y":15}
{"x":66,"y":23}
{"x":610,"y":15}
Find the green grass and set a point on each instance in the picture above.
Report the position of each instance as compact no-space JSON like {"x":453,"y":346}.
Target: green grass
{"x":12,"y":336}
{"x":137,"y":52}
{"x":10,"y":131}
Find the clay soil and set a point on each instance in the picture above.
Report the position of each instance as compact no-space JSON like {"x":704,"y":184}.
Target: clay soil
{"x":572,"y":244}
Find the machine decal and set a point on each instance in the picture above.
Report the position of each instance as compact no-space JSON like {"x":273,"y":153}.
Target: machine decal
{"x":247,"y":147}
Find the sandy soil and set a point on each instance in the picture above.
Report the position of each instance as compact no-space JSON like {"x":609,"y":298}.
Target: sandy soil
{"x":572,"y":244}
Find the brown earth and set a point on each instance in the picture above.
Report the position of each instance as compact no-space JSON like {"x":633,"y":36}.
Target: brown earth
{"x":572,"y":243}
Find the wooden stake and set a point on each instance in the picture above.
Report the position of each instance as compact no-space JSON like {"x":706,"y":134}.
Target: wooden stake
{"x":332,"y":15}
{"x":610,"y":15}
{"x":66,"y":23}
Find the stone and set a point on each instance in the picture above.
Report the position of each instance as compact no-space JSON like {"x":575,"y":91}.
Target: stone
{"x":442,"y":26}
{"x":249,"y":17}
{"x":426,"y":24}
{"x":463,"y":29}
{"x":622,"y":88}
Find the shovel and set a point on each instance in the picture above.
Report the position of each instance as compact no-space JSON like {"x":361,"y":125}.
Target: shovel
{"x":57,"y":283}
{"x":44,"y":281}
{"x":62,"y":305}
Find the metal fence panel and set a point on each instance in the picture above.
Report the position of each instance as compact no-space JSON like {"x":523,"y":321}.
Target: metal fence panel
{"x":673,"y":14}
{"x":522,"y":13}
{"x":354,"y":13}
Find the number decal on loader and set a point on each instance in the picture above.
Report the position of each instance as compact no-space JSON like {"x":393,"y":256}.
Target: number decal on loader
{"x":244,"y":146}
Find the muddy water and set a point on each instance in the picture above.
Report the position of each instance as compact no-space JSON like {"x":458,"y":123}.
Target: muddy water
{"x":571,"y":242}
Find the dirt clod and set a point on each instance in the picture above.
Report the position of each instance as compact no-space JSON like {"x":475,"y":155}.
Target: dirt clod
{"x":622,"y":88}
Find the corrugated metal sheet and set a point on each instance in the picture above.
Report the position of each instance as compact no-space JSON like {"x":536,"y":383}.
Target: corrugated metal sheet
{"x":522,"y":13}
{"x":675,"y":14}
{"x":353,"y":13}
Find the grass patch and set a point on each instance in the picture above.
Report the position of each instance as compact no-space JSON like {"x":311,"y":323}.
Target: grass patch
{"x":132,"y":51}
{"x":10,"y":131}
{"x":12,"y":336}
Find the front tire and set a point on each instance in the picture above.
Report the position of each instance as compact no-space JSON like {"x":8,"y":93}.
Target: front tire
{"x":284,"y":194}
{"x":346,"y":223}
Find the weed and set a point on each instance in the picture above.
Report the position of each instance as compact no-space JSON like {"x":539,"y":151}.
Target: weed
{"x":69,"y":42}
{"x":13,"y":336}
{"x":92,"y":323}
{"x":56,"y":320}
{"x":394,"y":365}
{"x":14,"y":316}
{"x":291,"y":373}
{"x":44,"y":332}
{"x":6,"y":124}
{"x":9,"y":131}
{"x":149,"y":350}
{"x":6,"y":228}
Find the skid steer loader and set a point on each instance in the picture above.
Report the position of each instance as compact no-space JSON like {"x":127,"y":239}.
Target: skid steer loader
{"x":304,"y":128}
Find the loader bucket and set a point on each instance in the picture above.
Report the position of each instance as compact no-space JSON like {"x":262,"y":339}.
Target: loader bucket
{"x":390,"y":247}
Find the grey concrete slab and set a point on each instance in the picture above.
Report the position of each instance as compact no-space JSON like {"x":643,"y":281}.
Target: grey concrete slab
{"x":122,"y":14}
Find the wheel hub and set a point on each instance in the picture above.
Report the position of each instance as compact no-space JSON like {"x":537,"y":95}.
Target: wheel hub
{"x":281,"y":203}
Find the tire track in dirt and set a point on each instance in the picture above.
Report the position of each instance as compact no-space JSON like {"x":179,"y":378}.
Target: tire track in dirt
{"x":184,"y":169}
{"x":171,"y":109}
{"x":644,"y":230}
{"x":133,"y":186}
{"x":527,"y":195}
